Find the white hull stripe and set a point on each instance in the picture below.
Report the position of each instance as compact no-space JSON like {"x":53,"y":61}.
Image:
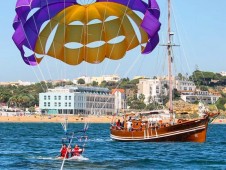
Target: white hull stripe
{"x":159,"y":136}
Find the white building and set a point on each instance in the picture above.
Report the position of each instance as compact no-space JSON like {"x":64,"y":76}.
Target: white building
{"x":107,"y":78}
{"x":120,"y":99}
{"x":77,"y":100}
{"x":87,"y":80}
{"x":18,"y":83}
{"x":153,"y":89}
{"x":185,"y":86}
{"x":203,"y":96}
{"x":223,"y":73}
{"x":25,"y":83}
{"x":139,"y":77}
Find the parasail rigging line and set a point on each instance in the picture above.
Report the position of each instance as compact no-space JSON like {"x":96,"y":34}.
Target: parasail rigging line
{"x":102,"y":28}
{"x":128,"y":71}
{"x":62,"y":165}
{"x":30,"y":62}
{"x":123,"y":17}
{"x":54,"y":48}
{"x":72,"y":136}
{"x":41,"y":47}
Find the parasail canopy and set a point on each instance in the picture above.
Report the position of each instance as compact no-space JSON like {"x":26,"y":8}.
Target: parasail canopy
{"x":73,"y":32}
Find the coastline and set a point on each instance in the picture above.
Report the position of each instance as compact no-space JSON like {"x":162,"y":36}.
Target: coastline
{"x":219,"y":121}
{"x":55,"y":119}
{"x":71,"y":119}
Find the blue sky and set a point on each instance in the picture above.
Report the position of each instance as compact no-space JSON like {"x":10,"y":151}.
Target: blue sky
{"x":200,"y":26}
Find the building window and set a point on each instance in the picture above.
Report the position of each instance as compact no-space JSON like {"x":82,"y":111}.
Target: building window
{"x":55,"y":98}
{"x":59,"y":104}
{"x":55,"y":104}
{"x":69,"y":104}
{"x":65,"y":104}
{"x":44,"y":104}
{"x":48,"y":97}
{"x":48,"y":104}
{"x":59,"y":97}
{"x":69,"y":97}
{"x":65,"y":97}
{"x":44,"y":97}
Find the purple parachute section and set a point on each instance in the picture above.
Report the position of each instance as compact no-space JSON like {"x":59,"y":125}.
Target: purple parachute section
{"x":27,"y":29}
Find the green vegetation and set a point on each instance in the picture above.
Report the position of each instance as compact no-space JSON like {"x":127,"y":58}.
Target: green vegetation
{"x":124,"y":83}
{"x":221,"y":103}
{"x":81,"y":81}
{"x":210,"y":79}
{"x":22,"y":96}
{"x":28,"y":96}
{"x":136,"y":103}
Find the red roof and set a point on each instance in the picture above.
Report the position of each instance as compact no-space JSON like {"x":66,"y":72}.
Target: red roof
{"x":116,"y":90}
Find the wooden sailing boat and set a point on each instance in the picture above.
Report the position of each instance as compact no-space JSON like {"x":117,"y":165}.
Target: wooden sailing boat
{"x":161,"y":125}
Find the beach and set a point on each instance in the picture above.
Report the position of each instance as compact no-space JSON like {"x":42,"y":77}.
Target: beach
{"x":70,"y":118}
{"x":219,"y":121}
{"x":55,"y":119}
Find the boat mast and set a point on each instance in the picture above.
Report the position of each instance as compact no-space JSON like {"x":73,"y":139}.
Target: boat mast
{"x":169,"y":49}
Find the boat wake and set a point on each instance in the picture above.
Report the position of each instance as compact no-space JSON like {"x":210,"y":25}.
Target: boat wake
{"x":74,"y":158}
{"x":78,"y":158}
{"x":100,"y":140}
{"x":46,"y":158}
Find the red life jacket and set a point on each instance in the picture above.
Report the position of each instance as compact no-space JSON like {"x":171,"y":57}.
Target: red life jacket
{"x":118,"y":124}
{"x":64,"y":152}
{"x":76,"y":152}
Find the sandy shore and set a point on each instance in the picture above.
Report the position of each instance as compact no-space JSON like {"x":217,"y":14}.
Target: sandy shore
{"x":219,"y":121}
{"x":55,"y":119}
{"x":71,"y":119}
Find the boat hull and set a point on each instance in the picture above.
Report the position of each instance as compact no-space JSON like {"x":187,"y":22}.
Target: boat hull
{"x":188,"y":131}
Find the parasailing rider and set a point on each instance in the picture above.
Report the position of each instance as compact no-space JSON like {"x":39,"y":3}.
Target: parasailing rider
{"x":64,"y":151}
{"x":77,"y":151}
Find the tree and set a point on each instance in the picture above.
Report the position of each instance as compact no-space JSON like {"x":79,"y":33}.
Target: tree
{"x":81,"y":81}
{"x":204,"y":88}
{"x":180,"y":76}
{"x":153,"y":106}
{"x":94,"y":83}
{"x":103,"y":84}
{"x":4,"y":96}
{"x":141,"y":97}
{"x":176,"y":94}
{"x":136,"y":103}
{"x":220,"y":103}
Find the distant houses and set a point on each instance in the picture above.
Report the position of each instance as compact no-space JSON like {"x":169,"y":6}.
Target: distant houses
{"x":154,"y":89}
{"x":72,"y":97}
{"x":223,"y":73}
{"x":17,"y":83}
{"x":89,"y":80}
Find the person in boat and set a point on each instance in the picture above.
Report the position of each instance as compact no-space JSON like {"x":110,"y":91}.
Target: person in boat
{"x":129,"y":124}
{"x":122,"y":124}
{"x":76,"y":151}
{"x":118,"y":124}
{"x":69,"y":150}
{"x":64,"y":151}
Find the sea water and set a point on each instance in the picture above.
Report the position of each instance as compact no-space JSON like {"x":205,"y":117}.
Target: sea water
{"x":36,"y":145}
